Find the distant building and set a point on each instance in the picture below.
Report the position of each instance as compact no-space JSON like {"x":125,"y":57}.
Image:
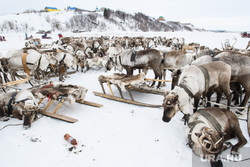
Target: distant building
{"x":161,"y":18}
{"x":51,"y":9}
{"x":71,"y":8}
{"x":103,"y":8}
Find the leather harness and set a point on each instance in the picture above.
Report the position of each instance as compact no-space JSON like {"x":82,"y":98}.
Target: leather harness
{"x":27,"y":71}
{"x":207,"y":80}
{"x":206,"y":75}
{"x":209,"y":117}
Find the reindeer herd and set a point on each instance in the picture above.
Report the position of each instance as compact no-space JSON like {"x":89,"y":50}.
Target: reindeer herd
{"x":197,"y":72}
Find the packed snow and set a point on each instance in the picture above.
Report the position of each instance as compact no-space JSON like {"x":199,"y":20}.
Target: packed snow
{"x":118,"y":134}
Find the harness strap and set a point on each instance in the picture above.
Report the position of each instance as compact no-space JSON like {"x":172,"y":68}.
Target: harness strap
{"x":133,"y":56}
{"x":27,"y":71}
{"x":206,"y":75}
{"x":211,"y":119}
{"x":62,"y":59}
{"x":190,"y":94}
{"x":39,"y":62}
{"x":12,"y":98}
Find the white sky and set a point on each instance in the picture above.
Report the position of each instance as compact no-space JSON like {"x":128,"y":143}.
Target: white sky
{"x":212,"y":14}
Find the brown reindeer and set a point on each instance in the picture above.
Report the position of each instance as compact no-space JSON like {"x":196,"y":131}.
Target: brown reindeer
{"x":209,"y":129}
{"x":240,"y":65}
{"x":144,"y":59}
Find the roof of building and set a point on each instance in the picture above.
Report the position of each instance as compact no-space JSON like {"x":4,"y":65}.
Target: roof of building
{"x":50,"y":8}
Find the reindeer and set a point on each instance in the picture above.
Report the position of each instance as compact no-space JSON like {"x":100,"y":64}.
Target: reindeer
{"x":22,"y":105}
{"x":34,"y":61}
{"x":194,"y":82}
{"x":144,"y":59}
{"x":240,"y":65}
{"x":209,"y":129}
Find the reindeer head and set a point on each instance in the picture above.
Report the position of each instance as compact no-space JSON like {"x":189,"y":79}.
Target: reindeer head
{"x":24,"y":112}
{"x":210,"y":141}
{"x":170,"y":105}
{"x":110,"y":63}
{"x":4,"y":64}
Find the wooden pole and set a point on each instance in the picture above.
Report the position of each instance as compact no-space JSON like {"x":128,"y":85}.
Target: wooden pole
{"x":147,"y":79}
{"x":110,"y":88}
{"x":120,"y":91}
{"x":103,"y":90}
{"x":130,"y":94}
{"x":40,"y":101}
{"x":58,"y":106}
{"x":50,"y":102}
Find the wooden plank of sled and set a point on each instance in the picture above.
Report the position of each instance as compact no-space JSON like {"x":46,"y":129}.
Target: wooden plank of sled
{"x":58,"y":106}
{"x":147,"y":90}
{"x":60,"y":117}
{"x":147,"y":79}
{"x":89,"y":103}
{"x":17,"y":82}
{"x":50,"y":102}
{"x":110,"y":88}
{"x":125,"y":100}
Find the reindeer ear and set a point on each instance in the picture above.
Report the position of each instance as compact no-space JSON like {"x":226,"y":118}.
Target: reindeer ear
{"x":178,"y":72}
{"x":176,"y":97}
{"x":198,"y":134}
{"x":222,"y":133}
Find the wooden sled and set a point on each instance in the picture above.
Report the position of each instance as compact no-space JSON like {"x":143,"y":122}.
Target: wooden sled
{"x":13,"y":83}
{"x":128,"y":88}
{"x":63,"y":117}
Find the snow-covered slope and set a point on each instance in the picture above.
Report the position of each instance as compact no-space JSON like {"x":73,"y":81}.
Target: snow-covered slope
{"x":85,"y":21}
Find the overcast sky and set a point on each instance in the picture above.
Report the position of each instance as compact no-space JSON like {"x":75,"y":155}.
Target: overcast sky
{"x":211,"y":14}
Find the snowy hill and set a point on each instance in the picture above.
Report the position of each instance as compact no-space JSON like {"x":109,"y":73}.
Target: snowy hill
{"x":87,"y":21}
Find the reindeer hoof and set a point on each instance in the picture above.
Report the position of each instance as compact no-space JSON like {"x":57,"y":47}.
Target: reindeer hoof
{"x":234,"y":153}
{"x":4,"y":119}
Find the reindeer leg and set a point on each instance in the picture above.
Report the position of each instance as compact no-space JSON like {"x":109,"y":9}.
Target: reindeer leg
{"x":164,"y":76}
{"x":196,"y":101}
{"x":238,"y":133}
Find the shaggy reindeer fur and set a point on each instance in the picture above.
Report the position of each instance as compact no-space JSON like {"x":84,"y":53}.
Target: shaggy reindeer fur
{"x":193,"y":79}
{"x":71,"y":93}
{"x":240,"y":65}
{"x":22,"y":106}
{"x":32,"y":59}
{"x":144,"y":59}
{"x":123,"y":80}
{"x":209,"y":129}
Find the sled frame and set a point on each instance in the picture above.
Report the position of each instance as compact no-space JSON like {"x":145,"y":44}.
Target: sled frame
{"x":128,"y":88}
{"x":63,"y":117}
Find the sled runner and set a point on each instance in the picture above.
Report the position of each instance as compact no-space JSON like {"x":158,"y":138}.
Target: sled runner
{"x":125,"y":83}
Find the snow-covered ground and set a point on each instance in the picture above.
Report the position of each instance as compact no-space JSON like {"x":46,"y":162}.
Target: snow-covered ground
{"x":116,"y":135}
